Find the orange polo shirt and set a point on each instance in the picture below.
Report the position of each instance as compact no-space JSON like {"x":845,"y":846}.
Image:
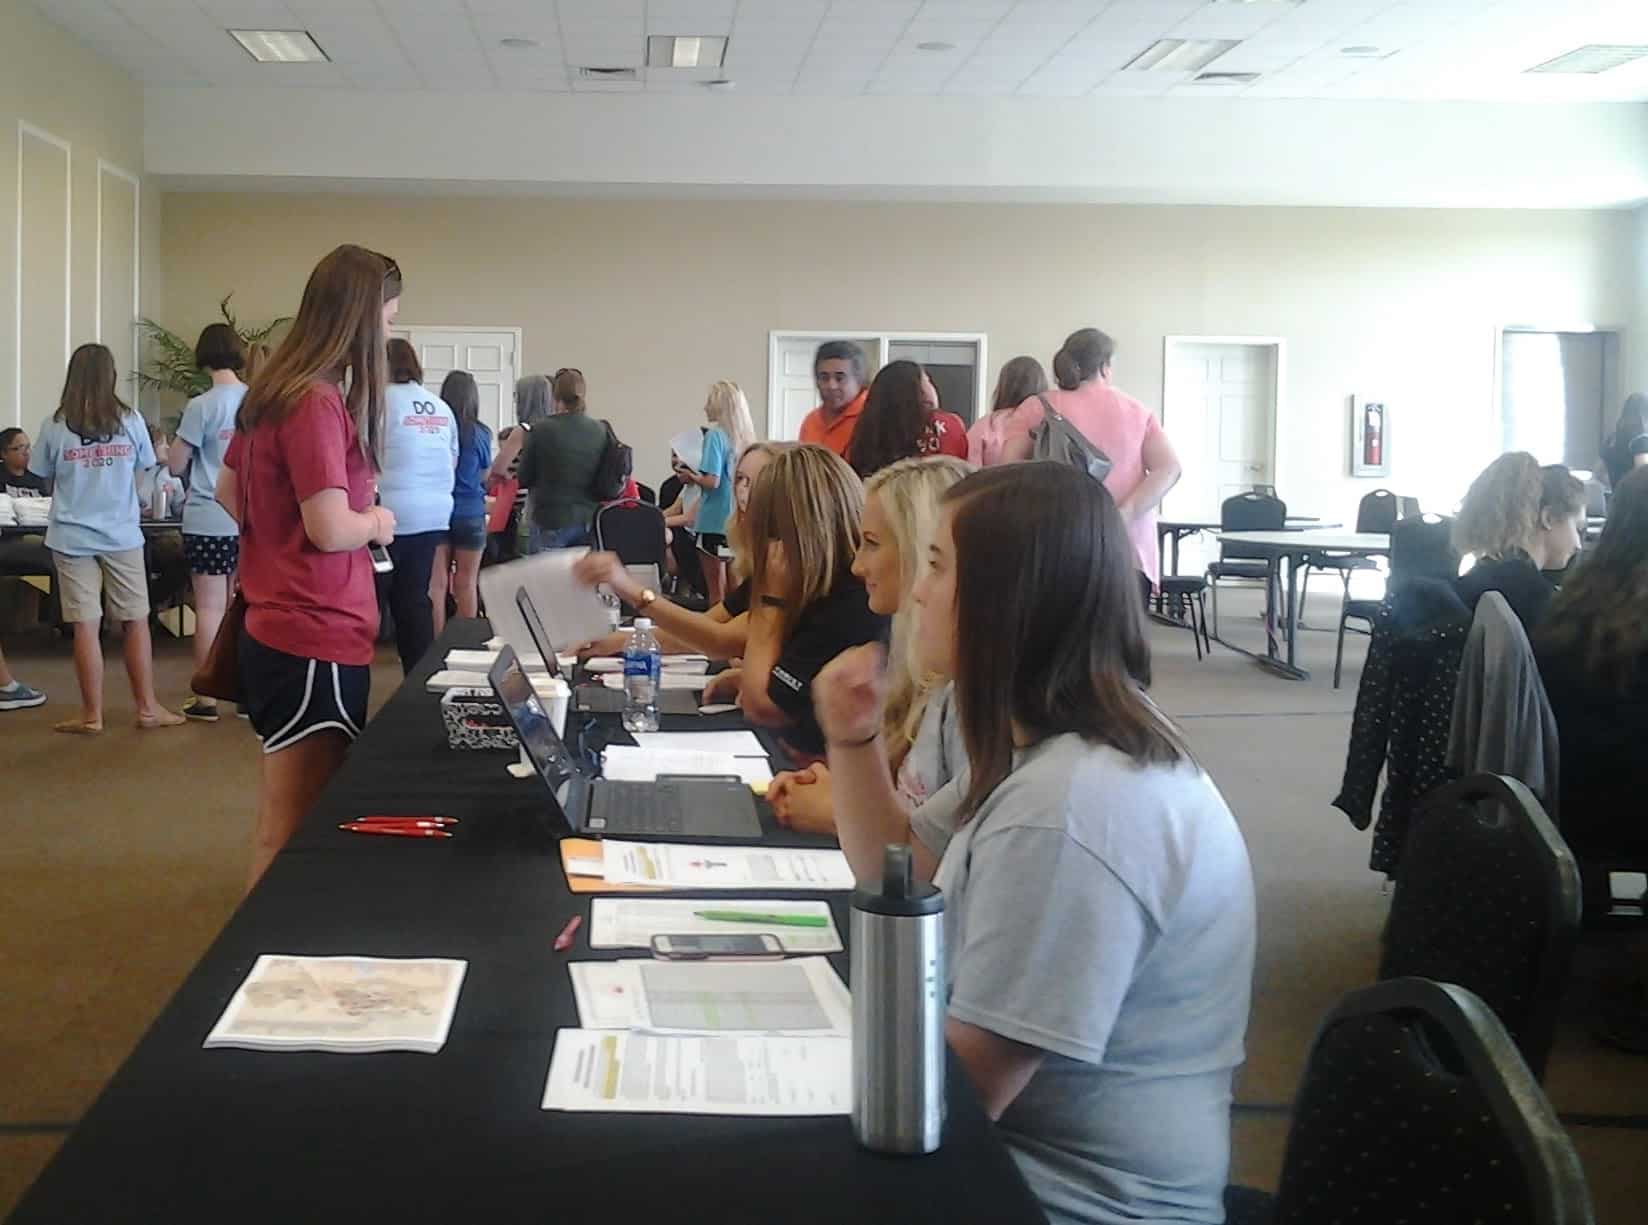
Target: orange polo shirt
{"x":837,"y":435}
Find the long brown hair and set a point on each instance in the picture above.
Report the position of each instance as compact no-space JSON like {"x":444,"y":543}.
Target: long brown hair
{"x":89,"y":405}
{"x":1500,"y":513}
{"x":1598,"y":612}
{"x":810,"y":502}
{"x":1049,"y":628}
{"x":1019,"y":379}
{"x":893,"y":419}
{"x":338,"y":333}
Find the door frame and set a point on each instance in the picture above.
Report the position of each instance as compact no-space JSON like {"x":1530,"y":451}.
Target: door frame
{"x":884,"y":340}
{"x":1278,"y":346}
{"x":401,"y":325}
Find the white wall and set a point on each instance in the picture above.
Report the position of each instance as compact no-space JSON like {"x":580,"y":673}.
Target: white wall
{"x":1143,"y":150}
{"x":1636,"y":349}
{"x":655,"y":300}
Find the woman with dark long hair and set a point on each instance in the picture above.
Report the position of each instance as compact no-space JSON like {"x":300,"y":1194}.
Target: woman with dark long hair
{"x":458,"y":562}
{"x":902,"y":420}
{"x":305,"y":459}
{"x":1617,"y":454}
{"x":1098,"y":899}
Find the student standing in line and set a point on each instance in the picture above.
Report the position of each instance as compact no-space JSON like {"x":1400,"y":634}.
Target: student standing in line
{"x":899,"y":421}
{"x":1144,"y":465}
{"x":730,"y":432}
{"x":1521,"y":522}
{"x":1099,"y":903}
{"x":946,"y":433}
{"x":1021,"y":379}
{"x":91,"y":451}
{"x":558,"y":466}
{"x":305,"y":452}
{"x":211,"y":539}
{"x":14,"y":694}
{"x":1616,"y":454}
{"x":918,"y":723}
{"x":838,"y":372}
{"x":458,"y":562}
{"x":420,"y":459}
{"x":534,"y":401}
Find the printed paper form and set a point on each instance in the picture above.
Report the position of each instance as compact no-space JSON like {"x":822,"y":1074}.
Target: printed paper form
{"x":803,"y":996}
{"x":739,"y":744}
{"x":631,"y":923}
{"x":594,"y":1070}
{"x":687,"y":866}
{"x":622,"y":763}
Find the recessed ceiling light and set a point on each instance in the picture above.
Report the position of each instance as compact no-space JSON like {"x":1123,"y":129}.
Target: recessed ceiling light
{"x":685,"y":51}
{"x":1225,"y":78}
{"x":609,"y":74}
{"x":280,"y":46}
{"x":1363,"y":51}
{"x":1179,"y":54}
{"x":1597,"y":57}
{"x":935,"y":46}
{"x":518,"y":44}
{"x":721,"y":85}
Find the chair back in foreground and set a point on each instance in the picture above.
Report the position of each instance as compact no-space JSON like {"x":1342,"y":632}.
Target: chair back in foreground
{"x":1488,"y":897}
{"x":634,"y":531}
{"x":1422,"y":547}
{"x":1416,"y":1106}
{"x":1250,"y":512}
{"x":1377,"y":511}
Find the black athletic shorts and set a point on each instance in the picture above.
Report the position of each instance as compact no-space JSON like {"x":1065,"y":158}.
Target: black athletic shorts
{"x":289,"y":697}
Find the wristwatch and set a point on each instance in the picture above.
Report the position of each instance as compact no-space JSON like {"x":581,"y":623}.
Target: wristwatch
{"x":648,"y":598}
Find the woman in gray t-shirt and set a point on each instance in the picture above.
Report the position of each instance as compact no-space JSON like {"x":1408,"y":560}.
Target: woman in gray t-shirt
{"x":1099,"y":902}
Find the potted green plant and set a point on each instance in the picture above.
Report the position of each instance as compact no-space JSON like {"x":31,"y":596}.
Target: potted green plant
{"x":171,"y":361}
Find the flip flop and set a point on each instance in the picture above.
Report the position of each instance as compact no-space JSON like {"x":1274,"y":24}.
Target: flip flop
{"x":166,"y":718}
{"x":78,"y":727}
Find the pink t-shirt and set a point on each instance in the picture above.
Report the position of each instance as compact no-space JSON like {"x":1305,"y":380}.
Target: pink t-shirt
{"x":1111,"y":420}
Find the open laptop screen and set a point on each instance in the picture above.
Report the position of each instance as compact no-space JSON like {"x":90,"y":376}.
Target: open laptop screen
{"x":543,"y":744}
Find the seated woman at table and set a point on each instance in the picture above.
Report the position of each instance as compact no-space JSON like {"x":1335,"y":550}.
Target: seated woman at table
{"x":92,"y":450}
{"x":719,"y":633}
{"x":1098,"y":898}
{"x":918,"y":725}
{"x":304,"y":452}
{"x":1521,"y":522}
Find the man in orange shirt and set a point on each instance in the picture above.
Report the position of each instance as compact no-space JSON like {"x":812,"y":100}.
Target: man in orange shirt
{"x":838,"y":369}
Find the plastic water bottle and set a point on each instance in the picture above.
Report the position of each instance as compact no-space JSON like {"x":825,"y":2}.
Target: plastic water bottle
{"x":643,"y":665}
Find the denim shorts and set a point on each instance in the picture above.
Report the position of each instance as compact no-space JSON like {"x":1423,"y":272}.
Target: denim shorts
{"x":468,"y":534}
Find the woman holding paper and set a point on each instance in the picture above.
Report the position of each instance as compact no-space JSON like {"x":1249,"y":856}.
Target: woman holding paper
{"x":1107,"y":1065}
{"x":730,"y":434}
{"x":923,"y":743}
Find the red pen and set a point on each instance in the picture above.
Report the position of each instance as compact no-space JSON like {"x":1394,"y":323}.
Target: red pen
{"x":399,"y":831}
{"x":564,"y":941}
{"x":398,"y":823}
{"x":404,"y":820}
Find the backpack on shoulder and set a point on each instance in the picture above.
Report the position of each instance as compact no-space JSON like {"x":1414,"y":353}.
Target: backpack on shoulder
{"x":613,"y":472}
{"x":1057,"y":440}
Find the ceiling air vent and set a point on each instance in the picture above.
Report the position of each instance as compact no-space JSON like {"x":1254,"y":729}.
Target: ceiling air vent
{"x":609,"y":74}
{"x":1597,"y":57}
{"x":1226,"y":78}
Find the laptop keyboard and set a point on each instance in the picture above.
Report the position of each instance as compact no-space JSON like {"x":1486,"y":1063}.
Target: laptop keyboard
{"x":638,"y":808}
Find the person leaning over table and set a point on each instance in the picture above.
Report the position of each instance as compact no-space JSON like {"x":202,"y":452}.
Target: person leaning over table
{"x":719,"y":633}
{"x":918,"y":723}
{"x":1099,"y":909}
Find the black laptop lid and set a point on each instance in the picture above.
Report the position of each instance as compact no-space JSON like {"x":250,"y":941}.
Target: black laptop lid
{"x":537,"y":734}
{"x":535,"y":630}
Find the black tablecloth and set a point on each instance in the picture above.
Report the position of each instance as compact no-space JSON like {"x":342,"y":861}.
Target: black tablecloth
{"x":231,"y":1137}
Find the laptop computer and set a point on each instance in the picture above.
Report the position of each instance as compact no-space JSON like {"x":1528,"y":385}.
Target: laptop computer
{"x":674,"y":806}
{"x":596,"y":699}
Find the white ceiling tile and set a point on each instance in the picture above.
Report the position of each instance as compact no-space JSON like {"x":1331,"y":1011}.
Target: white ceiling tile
{"x":782,"y":11}
{"x":1227,"y":20}
{"x":976,"y":10}
{"x":690,"y":16}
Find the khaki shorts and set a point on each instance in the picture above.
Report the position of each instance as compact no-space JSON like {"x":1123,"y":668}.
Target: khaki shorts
{"x":83,"y":581}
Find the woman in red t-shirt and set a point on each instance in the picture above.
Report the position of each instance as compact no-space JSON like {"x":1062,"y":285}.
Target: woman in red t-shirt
{"x":300,"y":477}
{"x":902,"y":420}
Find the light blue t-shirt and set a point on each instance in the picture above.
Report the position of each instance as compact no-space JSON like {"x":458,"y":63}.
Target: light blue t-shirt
{"x":718,"y":460}
{"x":208,"y":425}
{"x":420,"y":453}
{"x":94,"y":486}
{"x":1103,"y":913}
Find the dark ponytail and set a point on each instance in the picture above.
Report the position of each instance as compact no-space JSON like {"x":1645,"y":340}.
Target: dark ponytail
{"x":1085,"y":354}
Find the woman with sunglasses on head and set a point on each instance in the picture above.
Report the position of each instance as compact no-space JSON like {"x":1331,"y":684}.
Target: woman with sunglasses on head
{"x":300,"y":476}
{"x":1098,"y":899}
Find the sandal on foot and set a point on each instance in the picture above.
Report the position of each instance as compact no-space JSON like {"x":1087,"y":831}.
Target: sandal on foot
{"x":78,"y":727}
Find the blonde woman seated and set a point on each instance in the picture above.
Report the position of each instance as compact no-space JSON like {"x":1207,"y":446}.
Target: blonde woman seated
{"x":719,"y":633}
{"x":919,"y":724}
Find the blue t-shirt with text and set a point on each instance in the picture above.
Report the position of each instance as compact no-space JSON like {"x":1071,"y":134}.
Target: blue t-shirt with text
{"x":94,"y":486}
{"x":208,"y":426}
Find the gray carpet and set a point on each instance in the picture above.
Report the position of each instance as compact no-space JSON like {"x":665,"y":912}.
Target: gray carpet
{"x":124,"y":855}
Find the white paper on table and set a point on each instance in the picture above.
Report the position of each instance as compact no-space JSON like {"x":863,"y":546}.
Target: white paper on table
{"x":686,"y":866}
{"x":797,"y":997}
{"x":739,"y":744}
{"x":692,"y":681}
{"x":631,"y":923}
{"x":571,"y":612}
{"x":688,"y":447}
{"x":551,"y":688}
{"x":624,"y":763}
{"x":750,"y":1074}
{"x":481,"y":661}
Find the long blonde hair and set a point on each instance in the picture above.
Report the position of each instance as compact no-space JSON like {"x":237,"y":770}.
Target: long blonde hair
{"x":810,"y":502}
{"x":741,"y":564}
{"x":728,"y":408}
{"x":909,"y":493}
{"x":338,"y":333}
{"x":1500,"y":513}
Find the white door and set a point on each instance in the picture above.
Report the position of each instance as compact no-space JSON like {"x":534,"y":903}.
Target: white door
{"x":791,"y":393}
{"x":1221,"y":414}
{"x":491,"y":355}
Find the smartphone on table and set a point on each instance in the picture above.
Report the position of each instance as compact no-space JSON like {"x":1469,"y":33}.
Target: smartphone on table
{"x":739,"y":947}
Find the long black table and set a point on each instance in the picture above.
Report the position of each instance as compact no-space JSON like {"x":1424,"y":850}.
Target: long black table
{"x":183,"y":1135}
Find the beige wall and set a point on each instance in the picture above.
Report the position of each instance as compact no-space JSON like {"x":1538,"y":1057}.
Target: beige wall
{"x":1636,"y":355}
{"x":78,"y":109}
{"x":655,"y":299}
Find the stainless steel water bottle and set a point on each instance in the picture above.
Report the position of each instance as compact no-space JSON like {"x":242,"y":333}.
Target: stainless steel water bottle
{"x":898,"y":1010}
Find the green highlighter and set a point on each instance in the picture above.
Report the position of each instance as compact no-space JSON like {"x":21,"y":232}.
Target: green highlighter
{"x":777,"y":920}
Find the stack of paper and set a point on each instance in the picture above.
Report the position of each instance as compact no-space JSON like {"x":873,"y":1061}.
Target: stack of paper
{"x":349,"y":1005}
{"x":624,"y":763}
{"x":8,"y":517}
{"x":688,"y":866}
{"x":481,"y":661}
{"x":632,"y":922}
{"x":797,"y":998}
{"x":743,"y":1075}
{"x":31,"y":512}
{"x":545,"y":685}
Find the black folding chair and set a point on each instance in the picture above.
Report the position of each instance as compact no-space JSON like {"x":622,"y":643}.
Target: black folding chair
{"x":1421,"y":547}
{"x":1246,"y":512}
{"x":634,"y":531}
{"x":1416,"y":1106}
{"x":1376,"y":513}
